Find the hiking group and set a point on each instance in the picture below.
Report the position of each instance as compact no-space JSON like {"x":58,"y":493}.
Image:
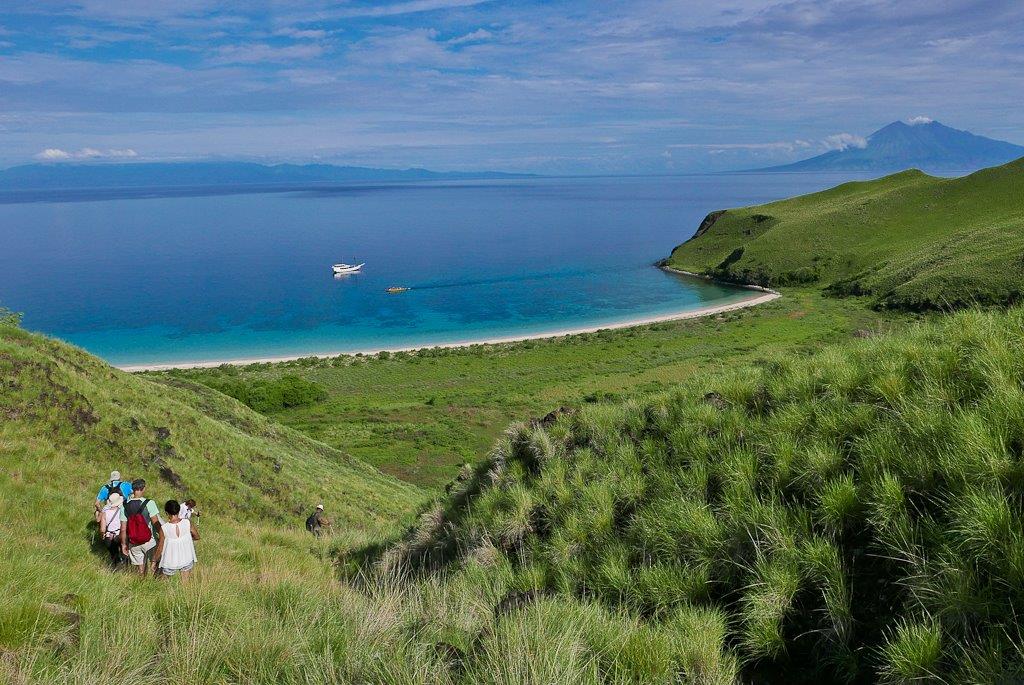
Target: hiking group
{"x":131,"y":529}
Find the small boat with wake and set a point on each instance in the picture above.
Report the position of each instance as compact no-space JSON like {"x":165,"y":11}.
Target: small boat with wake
{"x":395,"y":289}
{"x":347,"y":268}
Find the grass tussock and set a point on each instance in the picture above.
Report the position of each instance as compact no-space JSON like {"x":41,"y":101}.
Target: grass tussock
{"x":851,"y":517}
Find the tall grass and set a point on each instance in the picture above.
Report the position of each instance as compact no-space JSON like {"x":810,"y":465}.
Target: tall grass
{"x":848,"y":517}
{"x":852,"y":516}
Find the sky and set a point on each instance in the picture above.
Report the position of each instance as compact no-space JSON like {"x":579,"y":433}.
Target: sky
{"x":638,"y":86}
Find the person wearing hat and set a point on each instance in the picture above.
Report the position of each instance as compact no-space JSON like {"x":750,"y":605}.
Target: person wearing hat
{"x":316,"y":521}
{"x":115,"y":484}
{"x":110,"y":527}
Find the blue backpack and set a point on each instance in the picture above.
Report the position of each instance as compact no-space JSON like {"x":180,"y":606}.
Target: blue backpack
{"x":115,"y":486}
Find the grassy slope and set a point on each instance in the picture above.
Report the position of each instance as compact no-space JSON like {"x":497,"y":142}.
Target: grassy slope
{"x":844,"y":515}
{"x":850,"y":514}
{"x":265,"y":605}
{"x":420,"y":416}
{"x":184,"y":438}
{"x":66,"y":419}
{"x":850,"y":517}
{"x":909,"y":240}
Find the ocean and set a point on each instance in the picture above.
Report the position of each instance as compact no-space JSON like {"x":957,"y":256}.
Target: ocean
{"x":179,"y":276}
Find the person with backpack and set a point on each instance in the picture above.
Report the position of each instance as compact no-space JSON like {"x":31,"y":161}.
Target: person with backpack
{"x":115,"y":484}
{"x":140,"y":520}
{"x":316,"y":521}
{"x":110,"y":527}
{"x":176,"y":552}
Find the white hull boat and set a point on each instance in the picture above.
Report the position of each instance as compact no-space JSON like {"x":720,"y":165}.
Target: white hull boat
{"x":347,"y":268}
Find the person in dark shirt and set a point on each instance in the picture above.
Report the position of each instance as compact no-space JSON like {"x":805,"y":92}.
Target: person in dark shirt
{"x":317,"y":521}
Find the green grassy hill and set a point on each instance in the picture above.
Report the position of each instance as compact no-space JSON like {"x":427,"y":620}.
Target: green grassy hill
{"x":266,"y":604}
{"x":263,"y":608}
{"x":851,"y":517}
{"x":909,"y":240}
{"x":73,"y":418}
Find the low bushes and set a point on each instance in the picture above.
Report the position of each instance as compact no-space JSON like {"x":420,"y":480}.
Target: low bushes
{"x":267,"y":395}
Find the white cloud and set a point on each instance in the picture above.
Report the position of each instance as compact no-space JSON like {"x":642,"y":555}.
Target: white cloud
{"x":844,"y":141}
{"x":254,"y":53}
{"x":309,"y":77}
{"x":51,"y":154}
{"x":418,"y":48}
{"x":952,"y":45}
{"x":917,"y":121}
{"x":54,"y":154}
{"x":411,"y":7}
{"x":473,"y":37}
{"x":838,"y":141}
{"x":302,"y":34}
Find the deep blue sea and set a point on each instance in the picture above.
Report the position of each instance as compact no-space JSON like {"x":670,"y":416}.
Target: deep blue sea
{"x":176,"y":276}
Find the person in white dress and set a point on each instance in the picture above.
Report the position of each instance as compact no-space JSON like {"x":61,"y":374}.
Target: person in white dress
{"x":176,"y":552}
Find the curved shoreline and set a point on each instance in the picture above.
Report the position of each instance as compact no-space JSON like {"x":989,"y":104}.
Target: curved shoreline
{"x":764,"y":296}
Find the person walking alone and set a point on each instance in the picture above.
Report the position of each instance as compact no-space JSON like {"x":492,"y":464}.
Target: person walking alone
{"x":316,"y":521}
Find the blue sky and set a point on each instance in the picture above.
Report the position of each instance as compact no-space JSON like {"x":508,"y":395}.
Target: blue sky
{"x":552,"y":87}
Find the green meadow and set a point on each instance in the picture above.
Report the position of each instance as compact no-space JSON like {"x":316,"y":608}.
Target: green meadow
{"x":420,"y":415}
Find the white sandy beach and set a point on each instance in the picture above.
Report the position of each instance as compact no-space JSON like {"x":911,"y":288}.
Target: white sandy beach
{"x":761,"y":297}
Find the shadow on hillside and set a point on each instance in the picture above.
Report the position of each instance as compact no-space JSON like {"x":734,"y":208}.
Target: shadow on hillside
{"x":438,"y":539}
{"x":91,"y":534}
{"x":424,"y":547}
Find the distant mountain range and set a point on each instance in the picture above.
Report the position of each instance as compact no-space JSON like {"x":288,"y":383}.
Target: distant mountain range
{"x":202,"y":174}
{"x":928,"y":145}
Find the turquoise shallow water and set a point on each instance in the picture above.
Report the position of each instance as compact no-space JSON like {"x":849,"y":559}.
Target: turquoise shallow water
{"x":186,"y":277}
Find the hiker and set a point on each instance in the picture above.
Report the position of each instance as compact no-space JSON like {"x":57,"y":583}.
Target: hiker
{"x":110,"y":527}
{"x":176,"y":552}
{"x":139,"y":521}
{"x":115,"y":484}
{"x":316,"y":521}
{"x":188,"y":509}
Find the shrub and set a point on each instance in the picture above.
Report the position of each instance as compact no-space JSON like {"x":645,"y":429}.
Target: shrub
{"x":9,"y":318}
{"x":270,"y":395}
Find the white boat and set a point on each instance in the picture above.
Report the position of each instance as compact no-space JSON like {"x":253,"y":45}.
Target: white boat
{"x":347,"y":268}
